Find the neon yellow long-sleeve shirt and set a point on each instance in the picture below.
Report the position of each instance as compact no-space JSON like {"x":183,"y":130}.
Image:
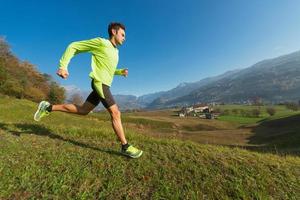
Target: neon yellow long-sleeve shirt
{"x":105,"y":59}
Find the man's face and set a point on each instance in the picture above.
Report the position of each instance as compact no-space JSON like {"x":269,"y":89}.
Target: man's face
{"x":119,"y":36}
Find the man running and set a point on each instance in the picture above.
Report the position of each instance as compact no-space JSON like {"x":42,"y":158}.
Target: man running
{"x":105,"y":56}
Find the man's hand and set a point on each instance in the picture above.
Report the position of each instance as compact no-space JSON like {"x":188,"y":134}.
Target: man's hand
{"x":62,"y":73}
{"x":124,"y":72}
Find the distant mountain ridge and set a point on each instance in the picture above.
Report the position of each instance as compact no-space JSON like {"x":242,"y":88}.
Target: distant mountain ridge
{"x":272,"y":80}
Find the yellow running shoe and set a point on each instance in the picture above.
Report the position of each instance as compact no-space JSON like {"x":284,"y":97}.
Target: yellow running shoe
{"x":132,"y":152}
{"x":41,"y":111}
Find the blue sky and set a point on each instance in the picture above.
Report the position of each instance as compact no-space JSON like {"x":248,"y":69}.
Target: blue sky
{"x":167,"y":42}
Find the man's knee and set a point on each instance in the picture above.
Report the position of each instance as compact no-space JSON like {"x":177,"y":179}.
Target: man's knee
{"x":114,"y":112}
{"x":86,"y":108}
{"x":84,"y":112}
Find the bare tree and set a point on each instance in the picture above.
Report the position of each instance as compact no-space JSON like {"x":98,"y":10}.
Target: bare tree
{"x":4,"y":48}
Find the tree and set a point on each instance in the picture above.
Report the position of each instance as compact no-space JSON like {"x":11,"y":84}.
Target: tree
{"x":271,"y":111}
{"x":34,"y":94}
{"x":255,"y":112}
{"x":56,"y":94}
{"x":3,"y":75}
{"x":292,"y":106}
{"x":257,"y":101}
{"x":4,"y":48}
{"x":235,"y":111}
{"x":21,"y":79}
{"x":13,"y":88}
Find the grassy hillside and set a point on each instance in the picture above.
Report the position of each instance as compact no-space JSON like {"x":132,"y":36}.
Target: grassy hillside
{"x":76,"y":157}
{"x":259,"y":134}
{"x":281,"y":133}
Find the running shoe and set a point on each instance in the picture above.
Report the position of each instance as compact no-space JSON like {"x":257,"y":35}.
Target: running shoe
{"x":41,"y":111}
{"x":132,"y":152}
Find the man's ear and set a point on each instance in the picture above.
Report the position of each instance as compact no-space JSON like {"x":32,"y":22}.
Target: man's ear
{"x":114,"y":32}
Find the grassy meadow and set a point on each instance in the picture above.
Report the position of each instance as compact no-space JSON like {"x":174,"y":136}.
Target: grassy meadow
{"x":77,"y":157}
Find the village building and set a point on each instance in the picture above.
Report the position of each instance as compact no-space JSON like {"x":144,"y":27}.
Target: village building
{"x":196,"y":110}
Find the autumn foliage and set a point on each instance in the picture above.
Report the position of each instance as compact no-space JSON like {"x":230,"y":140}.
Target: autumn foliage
{"x":21,"y":79}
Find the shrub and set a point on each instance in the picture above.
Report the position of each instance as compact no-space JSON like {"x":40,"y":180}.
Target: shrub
{"x":292,"y":106}
{"x":235,"y":111}
{"x":243,"y":113}
{"x":225,"y":112}
{"x":56,"y":94}
{"x":271,"y":111}
{"x":34,"y":94}
{"x":22,"y":80}
{"x":217,"y":110}
{"x":255,"y":112}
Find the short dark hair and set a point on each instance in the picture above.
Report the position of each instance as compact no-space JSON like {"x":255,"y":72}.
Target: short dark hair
{"x":116,"y":26}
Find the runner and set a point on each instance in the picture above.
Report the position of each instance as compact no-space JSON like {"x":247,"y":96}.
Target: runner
{"x":105,"y":56}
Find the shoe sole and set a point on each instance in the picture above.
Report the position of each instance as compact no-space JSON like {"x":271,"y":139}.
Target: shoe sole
{"x":35,"y":115}
{"x":137,"y":156}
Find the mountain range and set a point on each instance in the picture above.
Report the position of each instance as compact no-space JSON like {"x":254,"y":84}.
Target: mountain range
{"x":272,"y":80}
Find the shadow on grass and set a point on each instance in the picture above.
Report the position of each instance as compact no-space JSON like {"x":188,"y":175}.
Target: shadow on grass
{"x":43,"y":131}
{"x":272,"y":149}
{"x":279,"y":136}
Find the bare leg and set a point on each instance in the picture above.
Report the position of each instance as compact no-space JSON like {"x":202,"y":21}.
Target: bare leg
{"x":87,"y":107}
{"x":76,"y":109}
{"x":116,"y":123}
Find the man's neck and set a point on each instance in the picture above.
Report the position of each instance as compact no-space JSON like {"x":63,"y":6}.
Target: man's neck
{"x":113,"y":42}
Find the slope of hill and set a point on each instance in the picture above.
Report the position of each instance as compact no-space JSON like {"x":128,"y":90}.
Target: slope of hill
{"x":184,"y":89}
{"x":272,"y":80}
{"x":282,"y":133}
{"x":21,"y":79}
{"x":76,"y":157}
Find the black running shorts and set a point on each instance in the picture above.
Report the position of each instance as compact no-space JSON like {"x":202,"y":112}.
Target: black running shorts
{"x":94,"y":98}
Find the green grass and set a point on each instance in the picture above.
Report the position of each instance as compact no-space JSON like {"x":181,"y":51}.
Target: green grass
{"x":281,"y":112}
{"x":76,"y":157}
{"x":240,"y":120}
{"x":145,"y":123}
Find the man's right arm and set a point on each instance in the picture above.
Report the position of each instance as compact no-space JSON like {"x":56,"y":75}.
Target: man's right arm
{"x":78,"y":47}
{"x":63,"y":73}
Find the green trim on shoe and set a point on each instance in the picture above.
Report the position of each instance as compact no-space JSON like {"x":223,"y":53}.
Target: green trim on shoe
{"x":132,"y":152}
{"x":41,"y":111}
